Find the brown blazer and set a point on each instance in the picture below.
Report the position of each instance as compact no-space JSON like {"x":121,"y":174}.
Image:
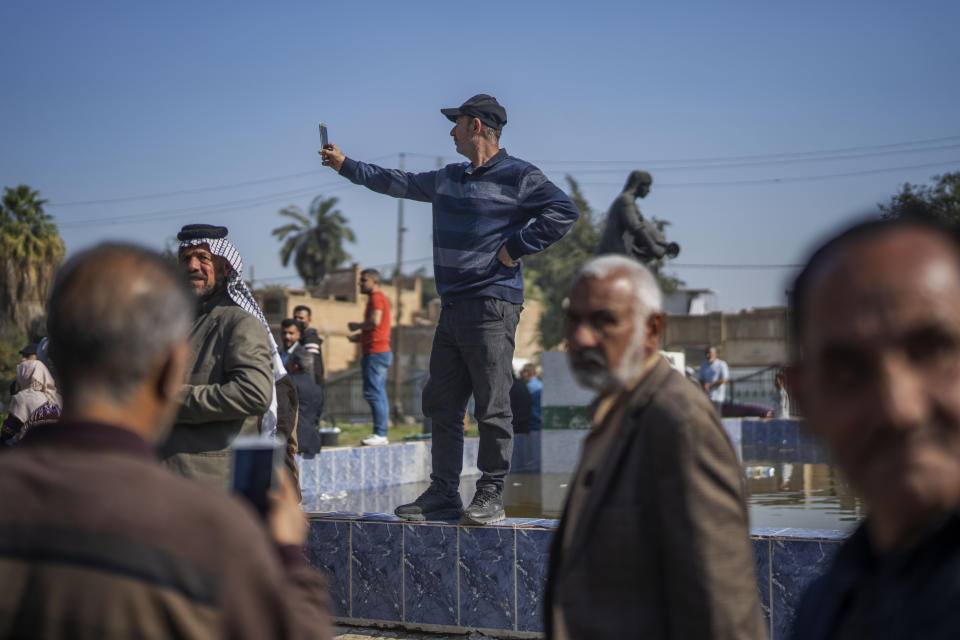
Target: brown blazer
{"x":663,"y":549}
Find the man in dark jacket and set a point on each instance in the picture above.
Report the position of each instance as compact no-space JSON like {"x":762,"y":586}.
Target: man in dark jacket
{"x":311,"y":341}
{"x":311,"y":401}
{"x":98,"y":540}
{"x":876,"y":316}
{"x":653,"y":542}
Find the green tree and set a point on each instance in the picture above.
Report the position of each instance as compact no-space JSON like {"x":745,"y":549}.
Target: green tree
{"x":668,"y":283}
{"x":315,"y":239}
{"x":11,"y":341}
{"x":942,"y":199}
{"x":30,"y":252}
{"x":548,"y":274}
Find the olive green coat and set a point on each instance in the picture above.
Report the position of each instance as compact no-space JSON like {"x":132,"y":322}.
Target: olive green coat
{"x":228,"y":390}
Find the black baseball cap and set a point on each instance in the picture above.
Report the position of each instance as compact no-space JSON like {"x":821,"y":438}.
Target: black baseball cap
{"x":29,"y":350}
{"x":481,"y":106}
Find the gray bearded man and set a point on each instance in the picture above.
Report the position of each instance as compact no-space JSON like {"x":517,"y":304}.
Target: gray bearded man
{"x":653,"y":542}
{"x":230,"y":389}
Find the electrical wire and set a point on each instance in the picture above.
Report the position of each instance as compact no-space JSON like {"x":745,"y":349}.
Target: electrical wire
{"x":167,"y":194}
{"x":167,"y":214}
{"x":694,"y":163}
{"x":828,"y":176}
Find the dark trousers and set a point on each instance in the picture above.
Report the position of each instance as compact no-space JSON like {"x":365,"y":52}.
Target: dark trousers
{"x":472,"y":353}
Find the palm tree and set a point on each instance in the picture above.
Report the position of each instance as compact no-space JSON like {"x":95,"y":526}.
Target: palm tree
{"x":30,"y":252}
{"x":314,"y":239}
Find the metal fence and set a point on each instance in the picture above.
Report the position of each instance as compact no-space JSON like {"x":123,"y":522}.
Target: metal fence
{"x":756,"y":388}
{"x":344,"y":402}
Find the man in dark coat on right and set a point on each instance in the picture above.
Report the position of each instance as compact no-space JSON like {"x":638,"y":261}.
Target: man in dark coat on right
{"x":653,"y":542}
{"x":876,"y":315}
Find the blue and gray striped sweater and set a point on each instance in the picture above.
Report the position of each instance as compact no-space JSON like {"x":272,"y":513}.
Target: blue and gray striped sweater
{"x":475,"y":212}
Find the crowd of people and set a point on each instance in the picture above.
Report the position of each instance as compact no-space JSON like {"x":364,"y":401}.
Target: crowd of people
{"x":115,"y":522}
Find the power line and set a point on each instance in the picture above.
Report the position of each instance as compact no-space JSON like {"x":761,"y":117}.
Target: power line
{"x":165,"y":214}
{"x":782,"y":157}
{"x":244,"y":203}
{"x":735,"y":158}
{"x":668,"y":265}
{"x":257,"y":201}
{"x":166,"y":194}
{"x":828,"y":176}
{"x":754,"y":163}
{"x":371,"y":266}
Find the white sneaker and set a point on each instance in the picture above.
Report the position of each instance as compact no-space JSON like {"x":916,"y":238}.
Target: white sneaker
{"x":374,"y":440}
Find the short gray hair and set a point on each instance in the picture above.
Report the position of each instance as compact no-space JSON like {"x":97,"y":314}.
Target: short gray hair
{"x":490,"y":133}
{"x":114,"y":311}
{"x":646,"y":289}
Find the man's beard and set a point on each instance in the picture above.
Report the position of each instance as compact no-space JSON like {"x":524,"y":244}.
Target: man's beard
{"x":591,"y":369}
{"x":208,"y":291}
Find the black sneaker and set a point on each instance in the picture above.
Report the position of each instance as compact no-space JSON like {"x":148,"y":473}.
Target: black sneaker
{"x":432,"y":504}
{"x":485,"y":508}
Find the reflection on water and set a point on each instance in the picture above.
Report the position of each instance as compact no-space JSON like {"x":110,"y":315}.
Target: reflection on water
{"x":810,"y":496}
{"x":781,"y":495}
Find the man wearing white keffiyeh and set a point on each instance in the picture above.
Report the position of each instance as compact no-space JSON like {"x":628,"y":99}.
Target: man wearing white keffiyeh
{"x":230,"y":390}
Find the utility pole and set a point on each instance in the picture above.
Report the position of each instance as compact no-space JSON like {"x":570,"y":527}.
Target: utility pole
{"x":397,"y":401}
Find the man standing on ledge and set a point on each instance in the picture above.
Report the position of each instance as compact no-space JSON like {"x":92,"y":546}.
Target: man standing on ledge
{"x":487,"y":213}
{"x":374,"y":339}
{"x":230,"y":389}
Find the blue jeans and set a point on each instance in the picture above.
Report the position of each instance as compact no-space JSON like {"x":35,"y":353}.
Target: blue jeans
{"x":472,"y":353}
{"x":374,"y":369}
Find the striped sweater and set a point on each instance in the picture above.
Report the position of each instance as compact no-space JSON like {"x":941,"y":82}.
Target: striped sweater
{"x":505,"y":201}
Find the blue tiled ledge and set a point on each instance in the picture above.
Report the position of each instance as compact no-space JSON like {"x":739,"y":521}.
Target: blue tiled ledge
{"x":355,"y":468}
{"x":446,"y":576}
{"x":341,"y":469}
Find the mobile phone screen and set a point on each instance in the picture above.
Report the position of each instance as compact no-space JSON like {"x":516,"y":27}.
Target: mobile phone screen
{"x":323,"y":136}
{"x":254,"y":460}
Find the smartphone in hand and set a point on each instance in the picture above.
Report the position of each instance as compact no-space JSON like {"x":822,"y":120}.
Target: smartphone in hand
{"x":323,"y":136}
{"x":255,"y":459}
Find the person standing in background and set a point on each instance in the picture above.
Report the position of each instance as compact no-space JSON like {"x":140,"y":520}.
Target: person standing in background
{"x":714,"y":375}
{"x":311,"y":341}
{"x":374,"y":339}
{"x":535,"y":387}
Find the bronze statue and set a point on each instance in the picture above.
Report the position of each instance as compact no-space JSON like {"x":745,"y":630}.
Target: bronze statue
{"x":627,"y":232}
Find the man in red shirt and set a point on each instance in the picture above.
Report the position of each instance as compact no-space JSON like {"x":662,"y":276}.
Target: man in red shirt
{"x":374,"y":339}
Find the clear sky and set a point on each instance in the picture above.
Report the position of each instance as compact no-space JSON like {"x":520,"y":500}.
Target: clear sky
{"x":111,"y":102}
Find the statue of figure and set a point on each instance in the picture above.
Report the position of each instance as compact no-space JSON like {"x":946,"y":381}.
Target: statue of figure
{"x":626,"y":231}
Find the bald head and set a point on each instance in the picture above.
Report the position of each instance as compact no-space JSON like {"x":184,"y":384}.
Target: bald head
{"x":114,"y":311}
{"x":878,"y":373}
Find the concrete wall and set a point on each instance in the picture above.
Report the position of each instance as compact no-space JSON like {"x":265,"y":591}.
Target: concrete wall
{"x":755,"y":338}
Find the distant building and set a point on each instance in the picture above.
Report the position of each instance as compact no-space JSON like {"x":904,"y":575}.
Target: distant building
{"x":693,"y":302}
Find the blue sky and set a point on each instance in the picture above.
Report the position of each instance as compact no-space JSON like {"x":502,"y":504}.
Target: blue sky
{"x":117,"y":100}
